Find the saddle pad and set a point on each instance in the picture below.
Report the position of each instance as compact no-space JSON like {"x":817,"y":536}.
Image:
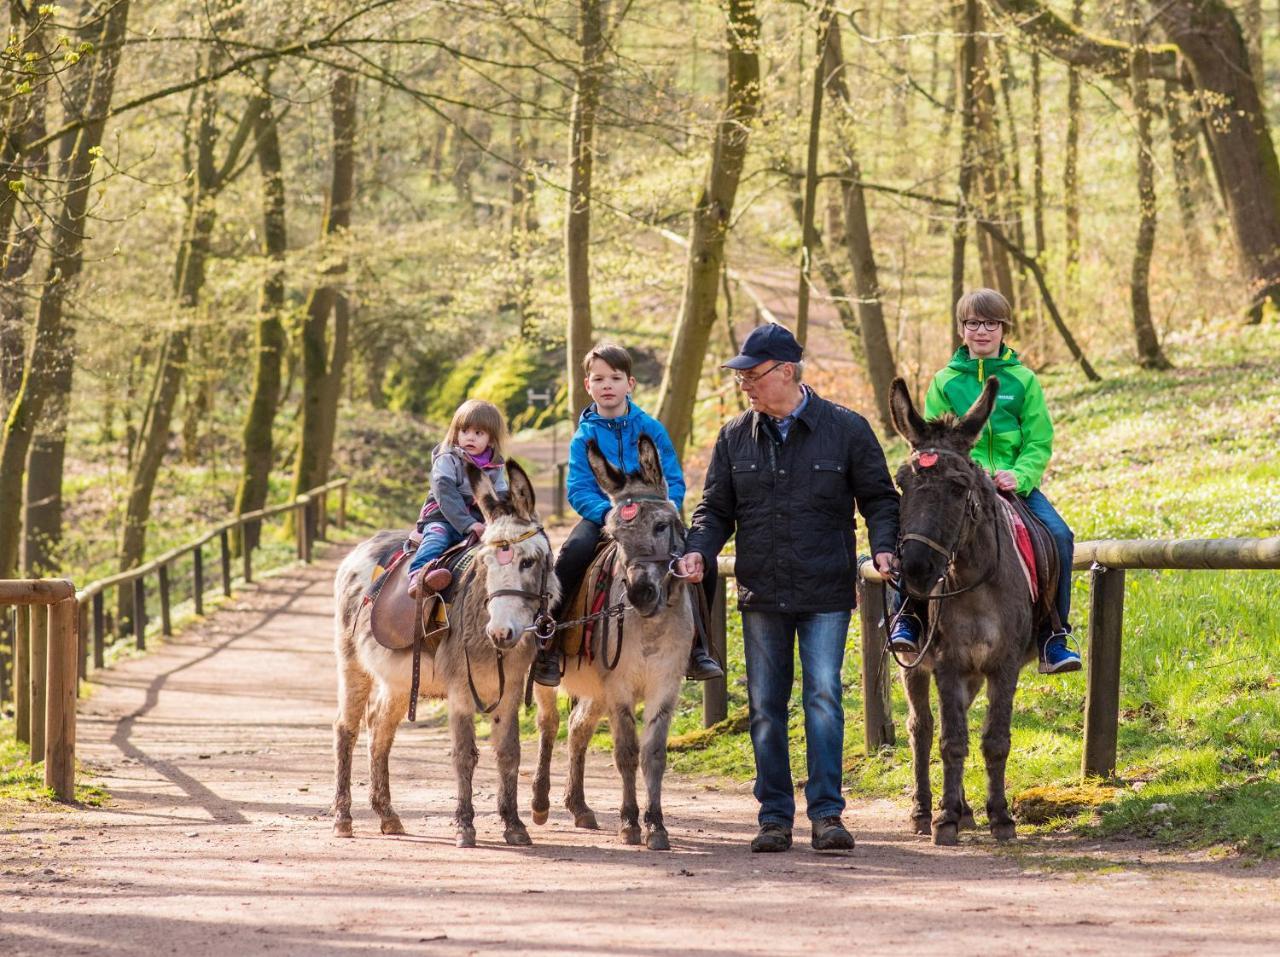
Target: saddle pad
{"x":1025,"y":549}
{"x":590,"y":597}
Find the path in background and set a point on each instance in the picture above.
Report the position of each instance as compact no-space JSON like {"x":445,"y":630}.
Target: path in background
{"x":216,"y":748}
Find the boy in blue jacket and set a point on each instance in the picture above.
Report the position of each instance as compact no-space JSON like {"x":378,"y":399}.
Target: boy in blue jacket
{"x":616,"y":424}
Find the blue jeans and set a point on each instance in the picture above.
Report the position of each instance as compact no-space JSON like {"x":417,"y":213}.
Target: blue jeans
{"x":1042,"y":509}
{"x":770,"y":639}
{"x":436,"y":538}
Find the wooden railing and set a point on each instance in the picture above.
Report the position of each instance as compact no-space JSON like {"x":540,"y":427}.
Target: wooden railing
{"x":1106,"y":562}
{"x":57,"y":629}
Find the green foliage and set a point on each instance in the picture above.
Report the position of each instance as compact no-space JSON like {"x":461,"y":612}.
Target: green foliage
{"x":22,"y":780}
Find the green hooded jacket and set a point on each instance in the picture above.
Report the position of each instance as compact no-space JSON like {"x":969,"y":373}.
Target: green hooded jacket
{"x":1018,"y":437}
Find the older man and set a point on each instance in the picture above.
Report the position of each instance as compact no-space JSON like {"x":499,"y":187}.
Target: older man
{"x":786,"y":477}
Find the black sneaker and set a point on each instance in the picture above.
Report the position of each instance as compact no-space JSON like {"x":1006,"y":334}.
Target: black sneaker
{"x":771,"y":839}
{"x":702,"y":667}
{"x":546,"y":667}
{"x":829,"y":834}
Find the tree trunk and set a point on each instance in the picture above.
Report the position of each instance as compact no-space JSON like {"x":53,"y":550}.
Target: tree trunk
{"x":66,"y":257}
{"x":993,"y":181}
{"x":577,"y":240}
{"x":323,"y":363}
{"x":965,"y":81}
{"x":866,"y":278}
{"x":808,"y":234}
{"x":1188,"y":170}
{"x":271,"y":339}
{"x":711,"y":219}
{"x":1071,"y":169}
{"x":1207,"y":33}
{"x":1253,"y":39}
{"x":1149,"y":354}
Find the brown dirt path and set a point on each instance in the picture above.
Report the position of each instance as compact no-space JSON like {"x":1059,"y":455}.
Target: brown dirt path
{"x":216,"y":750}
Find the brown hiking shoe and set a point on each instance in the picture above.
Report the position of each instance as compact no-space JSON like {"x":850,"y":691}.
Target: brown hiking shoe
{"x":429,"y":581}
{"x":771,"y":839}
{"x":829,"y":834}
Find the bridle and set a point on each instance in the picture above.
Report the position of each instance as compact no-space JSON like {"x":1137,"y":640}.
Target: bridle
{"x":926,"y":458}
{"x":670,"y":557}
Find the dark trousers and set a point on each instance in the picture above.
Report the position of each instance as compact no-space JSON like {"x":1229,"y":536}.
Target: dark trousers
{"x":576,"y":554}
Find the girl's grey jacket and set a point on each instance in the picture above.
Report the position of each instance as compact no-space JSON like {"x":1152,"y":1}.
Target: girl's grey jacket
{"x":452,"y":498}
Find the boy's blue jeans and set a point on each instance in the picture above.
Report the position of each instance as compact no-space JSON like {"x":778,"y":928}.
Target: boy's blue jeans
{"x":1041,"y":508}
{"x":436,"y":538}
{"x":769,"y":639}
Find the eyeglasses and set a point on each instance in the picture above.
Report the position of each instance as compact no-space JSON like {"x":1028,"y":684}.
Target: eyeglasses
{"x":990,"y":325}
{"x":742,"y":379}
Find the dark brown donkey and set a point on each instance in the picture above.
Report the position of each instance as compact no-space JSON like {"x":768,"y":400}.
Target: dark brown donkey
{"x":958,"y":556}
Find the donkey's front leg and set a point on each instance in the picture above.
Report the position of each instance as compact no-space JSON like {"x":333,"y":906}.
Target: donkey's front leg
{"x":995,"y":751}
{"x":353,"y":694}
{"x":462,"y":726}
{"x":506,"y":747}
{"x":582,"y":725}
{"x":548,"y":727}
{"x":626,"y":756}
{"x":653,"y":755}
{"x":920,"y":725}
{"x":383,"y":717}
{"x":954,"y":699}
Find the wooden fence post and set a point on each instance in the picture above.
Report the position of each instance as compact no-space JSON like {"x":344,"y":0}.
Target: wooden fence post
{"x":557,"y":509}
{"x":248,"y":536}
{"x":8,"y":627}
{"x":59,"y":751}
{"x":166,"y":621}
{"x":225,"y":539}
{"x":197,"y":578}
{"x":322,"y":515}
{"x":82,"y":641}
{"x":99,"y":630}
{"x":22,"y":675}
{"x":37,"y":676}
{"x":342,"y":506}
{"x":140,"y":613}
{"x":877,"y":715}
{"x":715,"y":693}
{"x":1102,"y":697}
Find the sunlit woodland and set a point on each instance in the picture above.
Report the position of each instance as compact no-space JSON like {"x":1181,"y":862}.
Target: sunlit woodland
{"x":250,"y":246}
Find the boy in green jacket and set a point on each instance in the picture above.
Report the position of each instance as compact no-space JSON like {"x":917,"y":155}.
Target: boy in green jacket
{"x":1014,"y":448}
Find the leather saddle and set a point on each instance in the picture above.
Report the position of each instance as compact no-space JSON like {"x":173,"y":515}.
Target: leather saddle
{"x":1046,"y":569}
{"x":591,"y":597}
{"x":392,"y":619}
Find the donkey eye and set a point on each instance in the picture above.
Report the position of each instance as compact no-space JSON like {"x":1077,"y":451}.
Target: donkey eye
{"x":660,"y":527}
{"x":526,"y":564}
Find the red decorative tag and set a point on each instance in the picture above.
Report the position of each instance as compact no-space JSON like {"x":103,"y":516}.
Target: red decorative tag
{"x":927,"y":459}
{"x":504,"y":555}
{"x":629,"y":511}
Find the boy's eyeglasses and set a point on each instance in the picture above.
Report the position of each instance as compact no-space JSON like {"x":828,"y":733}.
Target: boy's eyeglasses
{"x":990,"y":325}
{"x":743,"y":379}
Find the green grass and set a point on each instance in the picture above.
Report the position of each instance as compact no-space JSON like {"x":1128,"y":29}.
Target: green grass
{"x":22,"y":782}
{"x":1188,"y":454}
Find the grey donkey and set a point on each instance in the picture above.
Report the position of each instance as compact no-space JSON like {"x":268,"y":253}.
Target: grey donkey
{"x":495,"y":605}
{"x":657,"y":627}
{"x":957,"y":550}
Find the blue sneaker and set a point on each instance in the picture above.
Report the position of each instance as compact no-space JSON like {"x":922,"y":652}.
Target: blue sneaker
{"x":1056,"y":656}
{"x":905,"y":636}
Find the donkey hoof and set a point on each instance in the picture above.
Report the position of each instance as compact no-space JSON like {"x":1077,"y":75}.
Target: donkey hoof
{"x":342,"y":828}
{"x":585,"y":819}
{"x":466,"y":837}
{"x":967,"y":823}
{"x":630,"y":833}
{"x":392,"y":825}
{"x":540,"y":817}
{"x":1004,"y":831}
{"x":517,"y":836}
{"x":921,"y":824}
{"x":946,"y":834}
{"x":657,"y":840}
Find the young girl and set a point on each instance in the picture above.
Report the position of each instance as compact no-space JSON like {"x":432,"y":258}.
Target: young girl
{"x":476,"y":435}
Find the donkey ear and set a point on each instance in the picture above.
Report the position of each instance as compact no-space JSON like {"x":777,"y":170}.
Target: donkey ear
{"x":522,"y":498}
{"x":611,"y":480}
{"x":651,"y":464}
{"x":970,"y":425}
{"x":490,"y":505}
{"x":903,"y":412}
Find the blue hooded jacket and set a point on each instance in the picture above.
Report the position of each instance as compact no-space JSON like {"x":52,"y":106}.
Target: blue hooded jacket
{"x":619,"y":441}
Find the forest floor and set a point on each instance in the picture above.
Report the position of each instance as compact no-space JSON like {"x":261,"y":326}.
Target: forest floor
{"x":216,"y":751}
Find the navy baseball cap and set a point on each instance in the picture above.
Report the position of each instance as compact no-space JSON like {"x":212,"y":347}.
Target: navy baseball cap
{"x":770,"y":341}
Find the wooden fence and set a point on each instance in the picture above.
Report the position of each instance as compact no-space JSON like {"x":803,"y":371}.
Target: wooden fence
{"x":1106,"y":562}
{"x":57,"y":630}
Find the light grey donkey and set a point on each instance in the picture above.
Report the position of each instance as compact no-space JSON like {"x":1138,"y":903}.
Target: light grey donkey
{"x":484,"y":658}
{"x":657,"y":628}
